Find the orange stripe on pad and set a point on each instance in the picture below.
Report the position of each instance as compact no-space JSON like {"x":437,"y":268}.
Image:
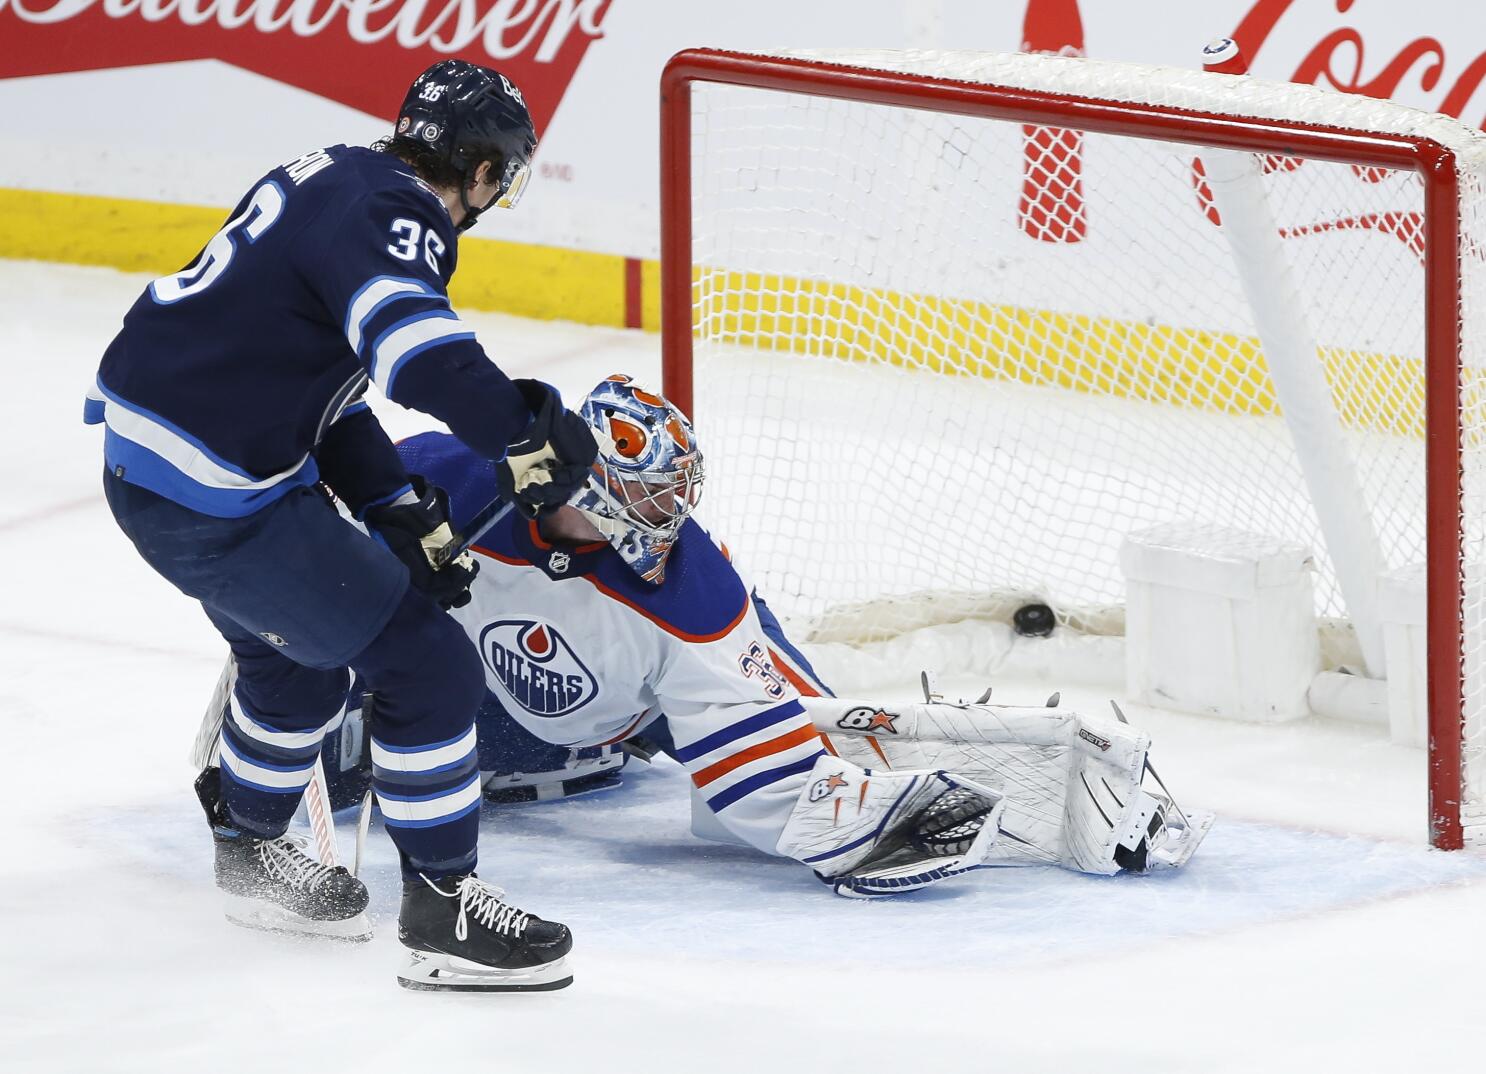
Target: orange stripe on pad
{"x":790,"y":739}
{"x":872,"y":741}
{"x":825,"y":740}
{"x":862,"y":795}
{"x":795,"y":679}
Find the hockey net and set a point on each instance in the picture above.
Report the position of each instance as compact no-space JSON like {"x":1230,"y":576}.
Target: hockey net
{"x":957,"y":323}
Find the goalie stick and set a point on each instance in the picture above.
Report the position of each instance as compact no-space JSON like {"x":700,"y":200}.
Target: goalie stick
{"x":206,"y":752}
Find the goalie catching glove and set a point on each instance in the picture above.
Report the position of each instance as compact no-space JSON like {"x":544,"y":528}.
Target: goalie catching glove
{"x":415,"y":527}
{"x":551,"y":460}
{"x":875,"y":833}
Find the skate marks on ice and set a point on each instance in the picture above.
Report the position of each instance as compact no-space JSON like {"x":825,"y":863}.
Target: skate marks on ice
{"x":622,"y":868}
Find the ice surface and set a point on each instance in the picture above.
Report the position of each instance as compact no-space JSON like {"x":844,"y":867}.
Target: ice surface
{"x":1313,"y":931}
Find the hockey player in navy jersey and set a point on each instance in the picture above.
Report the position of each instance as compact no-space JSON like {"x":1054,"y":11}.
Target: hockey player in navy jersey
{"x":232,"y":391}
{"x":617,"y":623}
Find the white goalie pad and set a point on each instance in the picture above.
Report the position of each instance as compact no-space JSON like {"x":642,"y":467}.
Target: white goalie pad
{"x":870,"y":834}
{"x":1072,"y":784}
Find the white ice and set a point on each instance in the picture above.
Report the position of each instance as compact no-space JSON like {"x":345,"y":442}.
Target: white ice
{"x":1313,"y":931}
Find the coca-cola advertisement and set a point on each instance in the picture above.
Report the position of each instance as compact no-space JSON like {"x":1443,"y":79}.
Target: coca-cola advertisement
{"x":1381,"y":50}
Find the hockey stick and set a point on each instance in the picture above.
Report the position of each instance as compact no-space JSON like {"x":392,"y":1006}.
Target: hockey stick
{"x":477,"y":527}
{"x":363,"y":822}
{"x":317,"y":809}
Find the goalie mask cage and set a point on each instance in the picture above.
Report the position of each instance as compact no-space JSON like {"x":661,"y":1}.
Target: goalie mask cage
{"x":952,"y":325}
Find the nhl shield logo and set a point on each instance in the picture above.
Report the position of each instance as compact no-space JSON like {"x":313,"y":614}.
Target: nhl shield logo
{"x":536,"y":667}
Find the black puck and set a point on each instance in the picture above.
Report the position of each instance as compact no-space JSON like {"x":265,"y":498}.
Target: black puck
{"x":1034,"y":620}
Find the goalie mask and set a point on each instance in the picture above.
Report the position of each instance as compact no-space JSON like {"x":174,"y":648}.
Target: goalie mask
{"x":647,"y":476}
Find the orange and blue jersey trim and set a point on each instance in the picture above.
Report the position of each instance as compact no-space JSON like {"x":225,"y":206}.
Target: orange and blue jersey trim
{"x":734,"y":772}
{"x":779,"y":744}
{"x":742,"y":789}
{"x":702,"y":600}
{"x":787,"y":658}
{"x":790,"y":710}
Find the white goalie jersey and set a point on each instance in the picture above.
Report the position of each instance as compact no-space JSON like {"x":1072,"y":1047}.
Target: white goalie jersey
{"x":581,"y":652}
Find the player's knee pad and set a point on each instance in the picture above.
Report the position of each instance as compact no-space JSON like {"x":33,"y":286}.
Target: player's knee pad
{"x":872,"y":833}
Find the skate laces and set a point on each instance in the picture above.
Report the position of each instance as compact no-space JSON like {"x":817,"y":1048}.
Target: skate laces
{"x":284,"y":859}
{"x":485,"y":903}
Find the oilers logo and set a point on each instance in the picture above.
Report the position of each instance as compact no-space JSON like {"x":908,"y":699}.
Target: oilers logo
{"x":537,"y":667}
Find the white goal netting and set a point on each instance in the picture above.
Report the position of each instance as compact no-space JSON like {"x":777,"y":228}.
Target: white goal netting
{"x":946,"y":363}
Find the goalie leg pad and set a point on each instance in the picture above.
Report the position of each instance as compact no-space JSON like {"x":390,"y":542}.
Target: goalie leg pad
{"x":873,"y":833}
{"x":1072,"y":783}
{"x":1112,"y":822}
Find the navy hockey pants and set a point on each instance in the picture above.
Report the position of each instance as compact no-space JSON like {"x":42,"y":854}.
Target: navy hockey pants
{"x":300,"y":594}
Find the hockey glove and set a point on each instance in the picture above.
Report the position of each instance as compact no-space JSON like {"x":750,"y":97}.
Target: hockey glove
{"x":418,"y":533}
{"x":551,"y":460}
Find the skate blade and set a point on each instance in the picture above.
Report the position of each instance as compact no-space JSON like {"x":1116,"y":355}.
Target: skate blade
{"x":1178,"y":852}
{"x":265,"y":916}
{"x":432,"y":971}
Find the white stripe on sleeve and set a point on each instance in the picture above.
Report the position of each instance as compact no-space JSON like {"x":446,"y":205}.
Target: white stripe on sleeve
{"x":373,"y":295}
{"x":412,"y":338}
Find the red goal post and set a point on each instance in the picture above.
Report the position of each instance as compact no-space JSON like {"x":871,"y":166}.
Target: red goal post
{"x":1432,"y":151}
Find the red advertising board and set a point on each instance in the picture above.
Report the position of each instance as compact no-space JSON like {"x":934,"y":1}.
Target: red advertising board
{"x":362,"y":53}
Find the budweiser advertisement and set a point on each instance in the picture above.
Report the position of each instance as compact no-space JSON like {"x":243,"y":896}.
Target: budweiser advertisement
{"x":358,"y":52}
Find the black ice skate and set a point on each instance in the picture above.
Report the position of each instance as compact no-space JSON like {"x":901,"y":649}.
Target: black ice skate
{"x":463,"y":937}
{"x":272,"y":884}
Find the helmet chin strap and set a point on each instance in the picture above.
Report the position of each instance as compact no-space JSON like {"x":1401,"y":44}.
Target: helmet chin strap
{"x":472,"y":214}
{"x":610,"y":528}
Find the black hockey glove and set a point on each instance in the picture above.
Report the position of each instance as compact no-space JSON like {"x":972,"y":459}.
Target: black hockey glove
{"x":419,"y":534}
{"x":551,"y":460}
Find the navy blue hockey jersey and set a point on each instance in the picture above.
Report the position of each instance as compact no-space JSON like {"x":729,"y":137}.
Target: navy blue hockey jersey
{"x":332,"y":270}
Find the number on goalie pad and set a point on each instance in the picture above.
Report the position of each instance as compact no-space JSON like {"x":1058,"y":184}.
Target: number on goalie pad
{"x":1071,"y":783}
{"x":874,"y":833}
